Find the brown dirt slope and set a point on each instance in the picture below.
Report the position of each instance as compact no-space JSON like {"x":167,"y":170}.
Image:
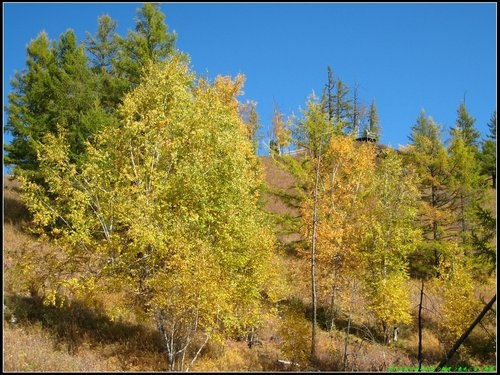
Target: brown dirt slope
{"x":279,"y":196}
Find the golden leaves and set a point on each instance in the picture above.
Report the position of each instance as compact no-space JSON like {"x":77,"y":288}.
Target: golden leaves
{"x":165,"y":206}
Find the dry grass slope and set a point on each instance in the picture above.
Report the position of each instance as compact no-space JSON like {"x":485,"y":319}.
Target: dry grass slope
{"x":82,"y":337}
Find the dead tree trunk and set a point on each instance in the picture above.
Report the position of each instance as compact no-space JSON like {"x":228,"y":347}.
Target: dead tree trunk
{"x":462,"y":338}
{"x":420,"y":327}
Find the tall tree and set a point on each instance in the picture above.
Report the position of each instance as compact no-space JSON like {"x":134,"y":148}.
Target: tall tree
{"x":492,"y":125}
{"x":343,"y":105}
{"x":464,"y":127}
{"x":373,"y":126}
{"x":29,"y":109}
{"x":429,"y":156}
{"x":76,"y":92}
{"x":337,"y":105}
{"x":393,"y":235}
{"x":165,"y":208}
{"x":353,"y":128}
{"x":313,"y":130}
{"x":103,"y":49}
{"x":488,"y":155}
{"x":281,"y":129}
{"x":345,"y":179}
{"x":150,"y":43}
{"x":328,"y":96}
{"x":250,"y":117}
{"x":56,"y":90}
{"x":465,"y":184}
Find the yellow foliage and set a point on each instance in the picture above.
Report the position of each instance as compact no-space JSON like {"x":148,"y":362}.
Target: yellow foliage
{"x":295,"y":332}
{"x":165,"y":208}
{"x":389,"y":300}
{"x":456,"y":285}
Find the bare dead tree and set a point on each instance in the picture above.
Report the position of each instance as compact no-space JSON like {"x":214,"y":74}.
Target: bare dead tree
{"x":462,"y":338}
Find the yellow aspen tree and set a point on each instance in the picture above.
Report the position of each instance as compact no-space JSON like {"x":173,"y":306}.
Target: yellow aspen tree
{"x":346,"y":170}
{"x":165,"y":210}
{"x":281,"y":129}
{"x":391,"y":234}
{"x":456,"y":286}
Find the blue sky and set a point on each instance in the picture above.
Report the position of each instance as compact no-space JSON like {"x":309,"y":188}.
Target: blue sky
{"x":406,"y":56}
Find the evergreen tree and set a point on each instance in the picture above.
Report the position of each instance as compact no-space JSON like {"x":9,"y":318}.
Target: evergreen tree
{"x":488,"y":151}
{"x":103,"y":46}
{"x":373,"y":129}
{"x":328,"y":96}
{"x":76,"y":92}
{"x":343,"y":106}
{"x":483,"y":239}
{"x":465,"y":184}
{"x":30,"y":108}
{"x":150,"y":43}
{"x":492,"y":125}
{"x":354,"y":126}
{"x":103,"y":49}
{"x":429,"y":156}
{"x":465,"y":127}
{"x":250,"y":117}
{"x":57,"y":89}
{"x":313,"y":131}
{"x":337,"y":105}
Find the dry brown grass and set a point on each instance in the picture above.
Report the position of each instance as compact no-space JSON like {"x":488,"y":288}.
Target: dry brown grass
{"x":30,"y":348}
{"x":65,"y":339}
{"x":281,"y":183}
{"x":15,"y":211}
{"x":84,"y":338}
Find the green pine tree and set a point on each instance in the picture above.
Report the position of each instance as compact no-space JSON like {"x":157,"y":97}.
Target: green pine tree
{"x":465,"y":127}
{"x":56,"y":90}
{"x":103,"y":49}
{"x":465,"y":184}
{"x":30,"y":109}
{"x":149,"y":43}
{"x":343,"y":106}
{"x":428,"y":155}
{"x":488,"y":151}
{"x":327,"y":99}
{"x":374,"y":122}
{"x":313,"y":131}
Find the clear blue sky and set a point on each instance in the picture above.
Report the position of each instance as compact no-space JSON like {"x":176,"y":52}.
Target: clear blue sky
{"x":406,"y":56}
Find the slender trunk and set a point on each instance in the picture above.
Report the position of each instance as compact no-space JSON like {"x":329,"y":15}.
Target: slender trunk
{"x":198,"y":352}
{"x":313,"y":255}
{"x":462,"y":338}
{"x":434,"y":225}
{"x":420,"y":327}
{"x":462,"y":215}
{"x":346,"y":338}
{"x":333,"y":302}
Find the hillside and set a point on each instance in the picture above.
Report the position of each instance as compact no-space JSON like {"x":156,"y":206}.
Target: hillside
{"x":84,"y":337}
